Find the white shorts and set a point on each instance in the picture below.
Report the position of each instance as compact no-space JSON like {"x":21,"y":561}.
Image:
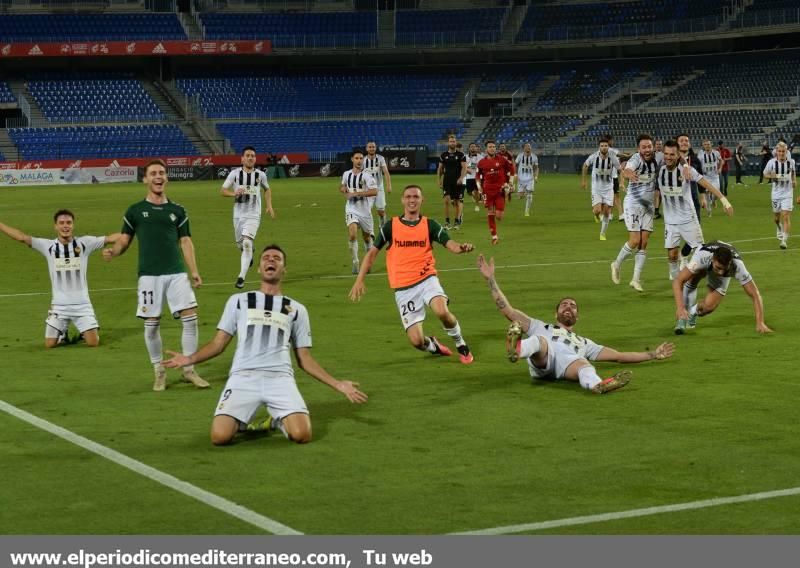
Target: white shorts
{"x":712,"y":181}
{"x":363,"y":221}
{"x":689,"y":232}
{"x":603,"y":197}
{"x":59,"y":318}
{"x":638,"y":217}
{"x":246,"y":391}
{"x":379,"y":201}
{"x":525,"y":185}
{"x":783,"y":204}
{"x":245,"y":227}
{"x":411,"y":302}
{"x":175,"y":287}
{"x":558,"y":360}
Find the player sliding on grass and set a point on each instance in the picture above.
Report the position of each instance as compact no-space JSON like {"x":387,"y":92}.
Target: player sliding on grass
{"x":554,"y":351}
{"x":412,"y":274}
{"x":68,"y":262}
{"x":269,"y":326}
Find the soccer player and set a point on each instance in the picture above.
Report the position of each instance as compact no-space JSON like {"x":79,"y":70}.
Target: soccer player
{"x":680,"y":219}
{"x":641,"y":170}
{"x":495,"y":175}
{"x":740,"y":162}
{"x":503,"y":151}
{"x":165,"y":251}
{"x":358,"y":186}
{"x":68,"y":263}
{"x":244,"y":185}
{"x":268,"y":325}
{"x":411,"y":268}
{"x":712,"y":163}
{"x":473,"y":157}
{"x":375,"y":164}
{"x":615,"y":177}
{"x":720,"y":261}
{"x":781,"y":170}
{"x":527,"y":166}
{"x":450,"y":174}
{"x":603,"y":166}
{"x":726,"y":157}
{"x":766,"y":154}
{"x":555,"y":351}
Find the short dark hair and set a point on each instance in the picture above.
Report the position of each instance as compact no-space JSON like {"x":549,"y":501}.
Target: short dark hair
{"x":155,"y":162}
{"x":723,"y":255}
{"x":603,"y":139}
{"x":246,"y":148}
{"x":356,"y":151}
{"x":681,"y":135}
{"x":643,"y":137}
{"x":670,"y":144}
{"x":487,"y":142}
{"x":566,"y":298}
{"x":61,"y":212}
{"x":274,"y":247}
{"x":411,"y":186}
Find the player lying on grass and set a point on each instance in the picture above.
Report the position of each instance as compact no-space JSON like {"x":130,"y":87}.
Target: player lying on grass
{"x":269,"y":326}
{"x":68,"y":263}
{"x":555,"y":351}
{"x":720,"y":261}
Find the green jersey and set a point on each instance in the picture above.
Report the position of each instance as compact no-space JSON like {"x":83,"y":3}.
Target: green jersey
{"x":159,"y":228}
{"x":435,"y":232}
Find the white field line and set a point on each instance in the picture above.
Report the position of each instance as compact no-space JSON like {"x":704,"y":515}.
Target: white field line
{"x":633,"y":513}
{"x":210,"y":499}
{"x":373,"y":274}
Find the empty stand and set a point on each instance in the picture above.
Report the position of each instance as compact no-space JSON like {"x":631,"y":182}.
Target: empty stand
{"x":6,"y":96}
{"x":111,"y":27}
{"x":449,"y":27}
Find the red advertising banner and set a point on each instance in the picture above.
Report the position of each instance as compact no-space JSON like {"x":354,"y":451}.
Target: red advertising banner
{"x":120,"y":48}
{"x":218,"y":160}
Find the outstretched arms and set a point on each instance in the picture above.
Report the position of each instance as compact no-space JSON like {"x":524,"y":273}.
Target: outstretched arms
{"x":510,"y":312}
{"x":206,"y":352}
{"x":663,"y":351}
{"x":15,"y":234}
{"x":348,"y":388}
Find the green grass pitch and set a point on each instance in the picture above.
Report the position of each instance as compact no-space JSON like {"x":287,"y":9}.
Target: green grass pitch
{"x":440,"y":447}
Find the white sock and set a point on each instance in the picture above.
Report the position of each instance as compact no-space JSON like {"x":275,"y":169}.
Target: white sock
{"x":638,"y":264}
{"x":624,"y":253}
{"x":189,"y":337}
{"x":588,"y":377}
{"x":279,"y":425}
{"x":529,"y":347}
{"x":152,"y":339}
{"x":528,"y":202}
{"x":430,"y":345}
{"x":673,"y":269}
{"x":689,"y":295}
{"x":247,"y":257}
{"x":353,"y":249}
{"x":455,"y":333}
{"x":368,"y":244}
{"x":603,"y":224}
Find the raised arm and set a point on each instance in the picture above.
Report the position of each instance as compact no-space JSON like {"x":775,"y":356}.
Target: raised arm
{"x":187,"y":247}
{"x":348,"y":388}
{"x":206,"y":352}
{"x":15,"y":234}
{"x":510,"y":312}
{"x":758,"y":306}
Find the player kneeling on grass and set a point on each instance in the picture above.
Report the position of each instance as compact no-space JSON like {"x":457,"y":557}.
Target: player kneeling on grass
{"x":555,"y":351}
{"x":267,"y":323}
{"x":411,"y":269}
{"x":720,"y":261}
{"x":68,"y":263}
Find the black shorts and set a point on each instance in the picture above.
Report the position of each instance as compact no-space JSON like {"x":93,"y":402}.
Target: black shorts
{"x":616,"y":185}
{"x":472,"y":185}
{"x":453,"y":190}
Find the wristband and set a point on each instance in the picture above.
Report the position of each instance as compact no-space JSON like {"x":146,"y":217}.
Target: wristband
{"x":725,"y":203}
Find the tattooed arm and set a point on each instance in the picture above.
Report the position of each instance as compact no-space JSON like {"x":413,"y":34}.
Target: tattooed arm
{"x":510,"y":312}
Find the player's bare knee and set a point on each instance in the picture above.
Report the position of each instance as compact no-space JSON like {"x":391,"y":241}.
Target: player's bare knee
{"x":49,"y":343}
{"x":221,"y":436}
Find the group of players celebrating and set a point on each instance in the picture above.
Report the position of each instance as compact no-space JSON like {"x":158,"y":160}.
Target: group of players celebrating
{"x":270,"y":325}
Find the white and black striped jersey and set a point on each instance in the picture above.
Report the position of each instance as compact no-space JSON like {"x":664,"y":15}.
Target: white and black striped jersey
{"x":268,"y":329}
{"x":375,"y":165}
{"x":564,"y":341}
{"x":249,"y":203}
{"x":472,"y":165}
{"x":642,"y":191}
{"x":614,"y":152}
{"x":782,"y":185}
{"x":68,"y":264}
{"x":603,"y":170}
{"x":711,"y":163}
{"x":676,"y":195}
{"x":526,"y":164}
{"x":701,"y":261}
{"x":356,"y":182}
